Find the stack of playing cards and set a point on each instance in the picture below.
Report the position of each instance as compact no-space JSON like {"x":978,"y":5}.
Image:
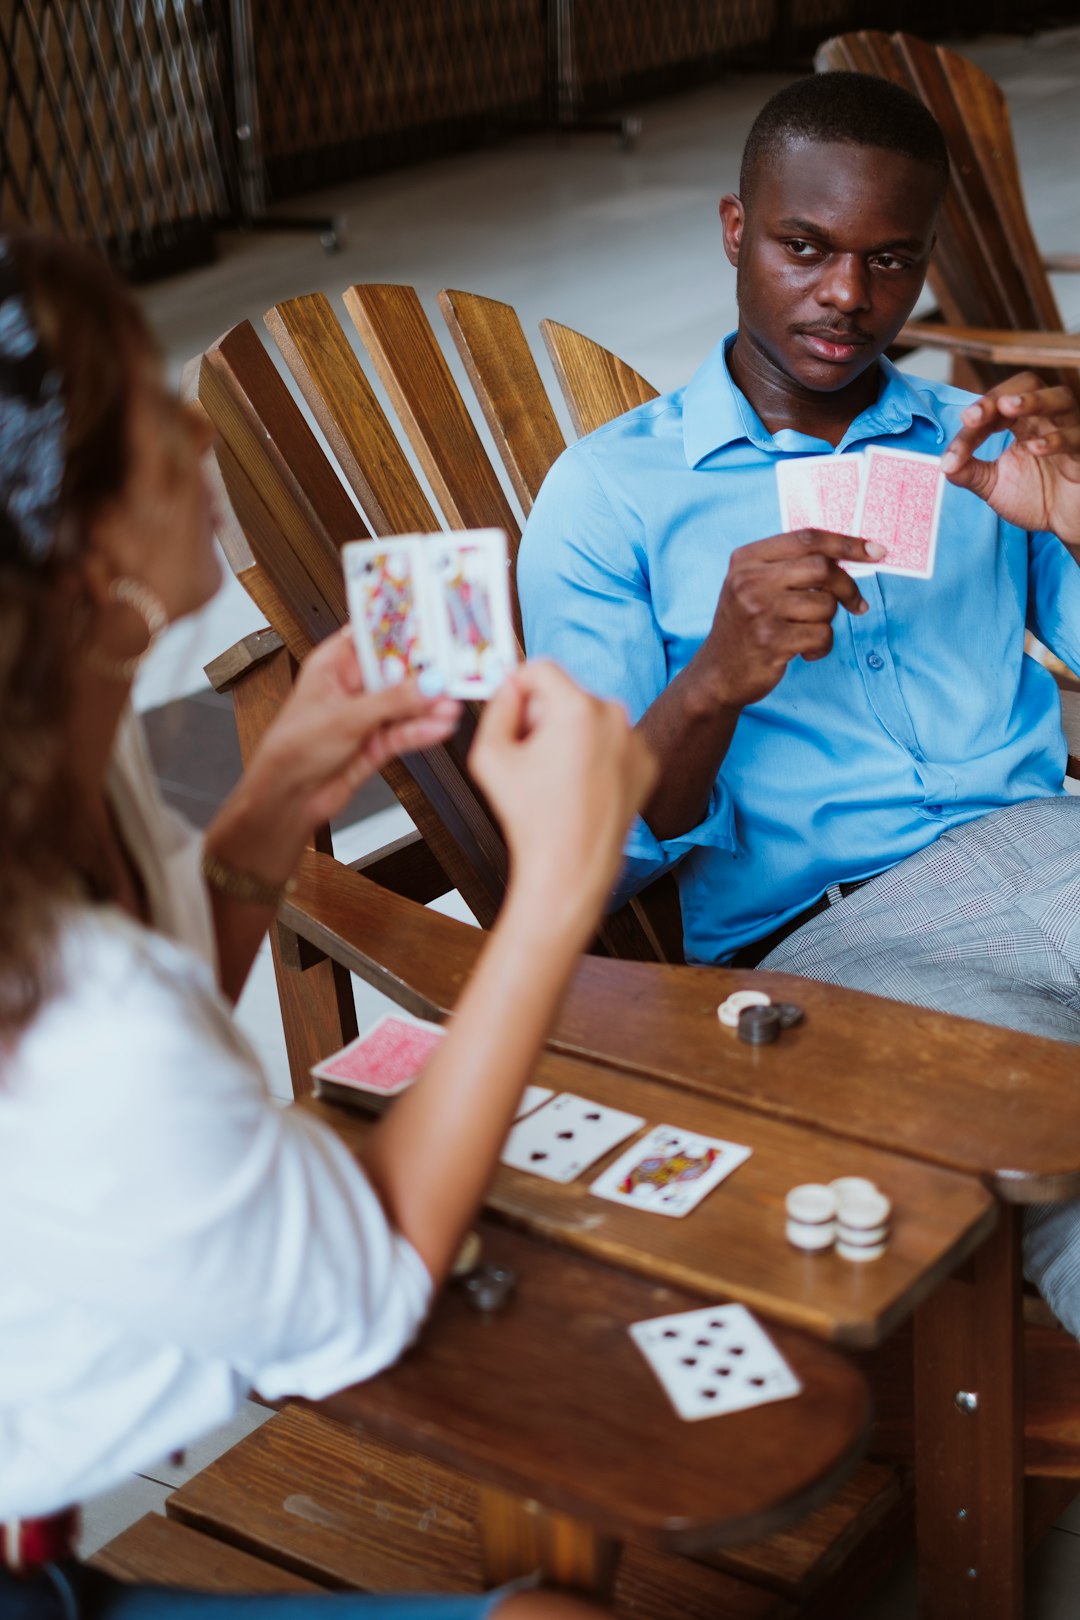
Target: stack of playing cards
{"x":432,"y":602}
{"x":714,"y":1361}
{"x":387,"y":1058}
{"x":891,"y":496}
{"x":383,"y":1060}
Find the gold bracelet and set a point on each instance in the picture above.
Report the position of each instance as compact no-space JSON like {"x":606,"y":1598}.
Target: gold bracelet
{"x":237,"y":885}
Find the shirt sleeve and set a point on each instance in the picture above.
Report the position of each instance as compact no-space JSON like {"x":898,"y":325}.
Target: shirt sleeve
{"x":586,"y":604}
{"x":173,"y":1194}
{"x":1054,"y":597}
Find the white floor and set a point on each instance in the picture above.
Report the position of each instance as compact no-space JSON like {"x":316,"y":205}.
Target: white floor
{"x":625,"y":247}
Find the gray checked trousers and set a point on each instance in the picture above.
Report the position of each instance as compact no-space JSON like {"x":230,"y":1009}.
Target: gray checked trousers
{"x":984,"y":923}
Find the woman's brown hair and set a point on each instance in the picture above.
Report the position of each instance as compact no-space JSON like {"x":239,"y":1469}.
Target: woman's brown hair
{"x":90,"y":332}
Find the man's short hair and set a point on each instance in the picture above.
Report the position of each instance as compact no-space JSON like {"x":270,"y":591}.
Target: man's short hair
{"x":853,"y":108}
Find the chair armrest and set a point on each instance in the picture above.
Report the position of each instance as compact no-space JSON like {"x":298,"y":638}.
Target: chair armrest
{"x":247,"y":654}
{"x":1001,"y":348}
{"x":1070,"y":725}
{"x":1062,"y":263}
{"x":406,"y":867}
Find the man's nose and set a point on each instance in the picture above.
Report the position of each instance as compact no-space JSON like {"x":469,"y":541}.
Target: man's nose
{"x":845,"y":284}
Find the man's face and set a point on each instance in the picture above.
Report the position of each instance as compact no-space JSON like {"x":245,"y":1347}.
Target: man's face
{"x":831,"y":256}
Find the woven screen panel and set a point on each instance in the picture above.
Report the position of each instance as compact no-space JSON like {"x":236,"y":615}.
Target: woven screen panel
{"x":111,"y":120}
{"x":616,"y":41}
{"x":333,"y":76}
{"x":820,"y":18}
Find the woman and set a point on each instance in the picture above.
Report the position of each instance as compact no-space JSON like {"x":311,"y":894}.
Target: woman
{"x":173,"y":1237}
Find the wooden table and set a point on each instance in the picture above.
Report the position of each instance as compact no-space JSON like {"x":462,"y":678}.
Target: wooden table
{"x":964,"y":1097}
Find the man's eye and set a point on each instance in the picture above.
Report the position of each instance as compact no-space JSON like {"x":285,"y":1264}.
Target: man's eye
{"x":888,"y":261}
{"x":801,"y":249}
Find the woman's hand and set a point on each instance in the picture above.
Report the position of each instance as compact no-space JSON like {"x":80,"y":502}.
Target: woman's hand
{"x":1035,"y":482}
{"x":565,"y":774}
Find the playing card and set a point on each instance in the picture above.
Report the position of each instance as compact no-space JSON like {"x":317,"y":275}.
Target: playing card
{"x":714,"y":1361}
{"x":899,"y":506}
{"x":819,"y":492}
{"x":669,"y":1171}
{"x":564,"y":1137}
{"x":531,"y":1098}
{"x":389,"y":608}
{"x":471,"y":608}
{"x":385,"y":1058}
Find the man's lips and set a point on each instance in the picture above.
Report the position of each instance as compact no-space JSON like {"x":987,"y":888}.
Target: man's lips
{"x":836,"y":347}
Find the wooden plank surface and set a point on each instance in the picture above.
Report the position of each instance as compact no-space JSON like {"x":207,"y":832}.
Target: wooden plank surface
{"x":156,"y":1551}
{"x":352,"y":1511}
{"x":733,"y":1244}
{"x":550,"y":1400}
{"x":964,"y":1095}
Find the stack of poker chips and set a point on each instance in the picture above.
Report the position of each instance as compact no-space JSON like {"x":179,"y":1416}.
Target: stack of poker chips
{"x":850,"y":1212}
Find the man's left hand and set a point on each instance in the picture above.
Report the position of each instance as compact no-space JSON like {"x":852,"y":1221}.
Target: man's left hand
{"x":1035,"y":482}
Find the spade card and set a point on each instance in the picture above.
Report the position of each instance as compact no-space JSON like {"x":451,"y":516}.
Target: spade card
{"x":564,"y":1137}
{"x":385,"y":1058}
{"x":389,"y":608}
{"x":714,"y":1361}
{"x":432,"y":601}
{"x":669,"y":1171}
{"x":531,"y":1098}
{"x":471,"y":606}
{"x":900,"y":506}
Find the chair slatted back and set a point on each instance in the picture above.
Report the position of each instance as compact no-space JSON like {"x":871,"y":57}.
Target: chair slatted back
{"x":507,"y":382}
{"x":294,"y":510}
{"x":295,"y":513}
{"x":596,"y":384}
{"x":413,"y":370}
{"x":343,"y":403}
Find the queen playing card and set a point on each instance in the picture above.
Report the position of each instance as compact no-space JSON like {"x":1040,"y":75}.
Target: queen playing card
{"x":434,"y":602}
{"x":669,"y":1171}
{"x":714,"y":1361}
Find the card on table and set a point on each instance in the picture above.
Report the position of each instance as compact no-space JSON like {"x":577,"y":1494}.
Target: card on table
{"x":714,"y":1361}
{"x":564,"y":1137}
{"x":437,"y":601}
{"x":669,"y":1171}
{"x":385,"y":1058}
{"x":900,"y":506}
{"x":531,"y":1098}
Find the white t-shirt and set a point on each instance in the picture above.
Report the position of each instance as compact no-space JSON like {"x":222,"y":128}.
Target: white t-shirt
{"x":171,"y":1237}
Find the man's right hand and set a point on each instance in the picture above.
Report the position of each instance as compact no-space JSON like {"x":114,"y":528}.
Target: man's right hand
{"x":777,"y":603}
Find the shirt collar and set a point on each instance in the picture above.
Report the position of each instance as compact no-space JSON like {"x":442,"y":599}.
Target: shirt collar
{"x":717,"y":414}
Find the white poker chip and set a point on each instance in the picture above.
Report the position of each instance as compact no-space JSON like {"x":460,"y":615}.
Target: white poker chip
{"x":729,"y":1010}
{"x":863,"y":1212}
{"x":853,"y":1187}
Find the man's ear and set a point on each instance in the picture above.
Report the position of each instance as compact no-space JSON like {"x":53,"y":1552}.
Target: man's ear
{"x":732,"y":219}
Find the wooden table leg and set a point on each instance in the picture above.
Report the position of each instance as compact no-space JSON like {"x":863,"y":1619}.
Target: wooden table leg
{"x":521,"y":1536}
{"x":969,"y":1430}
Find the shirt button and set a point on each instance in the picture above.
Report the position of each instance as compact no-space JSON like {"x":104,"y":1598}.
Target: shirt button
{"x":875,"y":661}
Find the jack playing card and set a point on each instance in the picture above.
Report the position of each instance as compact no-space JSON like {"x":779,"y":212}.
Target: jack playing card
{"x":439,"y":602}
{"x":714,"y":1361}
{"x":564,"y":1137}
{"x":384,"y":1059}
{"x":669,"y":1171}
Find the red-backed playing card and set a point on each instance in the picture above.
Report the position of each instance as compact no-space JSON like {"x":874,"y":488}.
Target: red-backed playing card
{"x":385,"y":1059}
{"x":899,"y":507}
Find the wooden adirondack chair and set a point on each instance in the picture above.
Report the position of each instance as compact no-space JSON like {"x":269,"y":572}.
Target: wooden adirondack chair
{"x":288,"y":509}
{"x":988,"y":275}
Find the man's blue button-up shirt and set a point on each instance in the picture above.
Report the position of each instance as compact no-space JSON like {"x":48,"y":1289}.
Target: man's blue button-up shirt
{"x":926,"y":713}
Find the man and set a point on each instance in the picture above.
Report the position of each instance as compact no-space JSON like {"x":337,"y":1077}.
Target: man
{"x":861,"y":780}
